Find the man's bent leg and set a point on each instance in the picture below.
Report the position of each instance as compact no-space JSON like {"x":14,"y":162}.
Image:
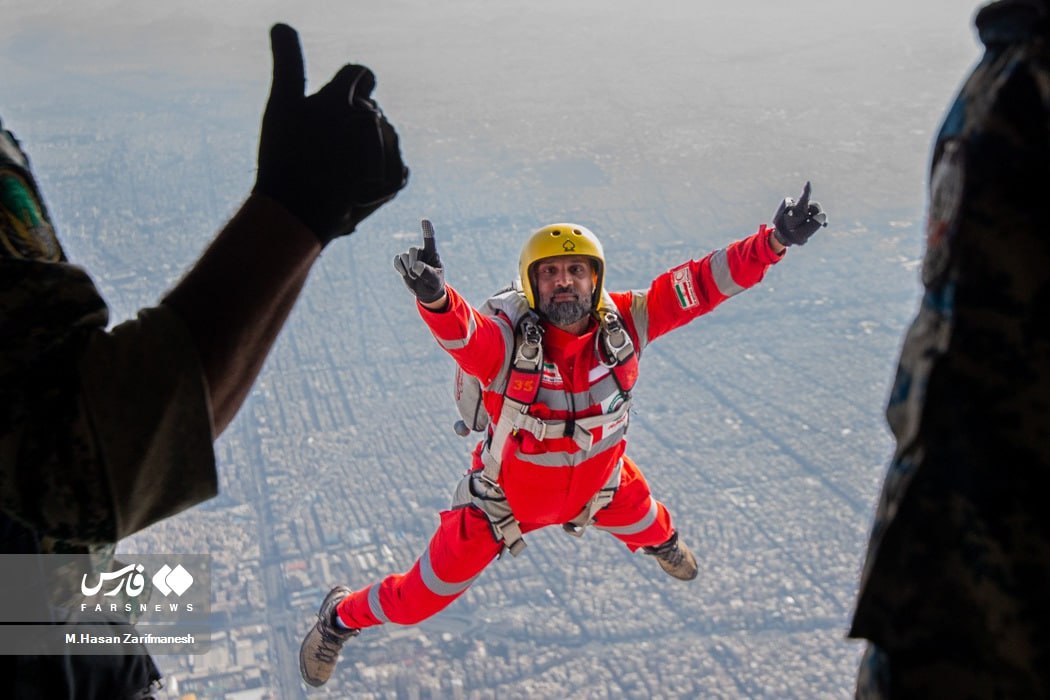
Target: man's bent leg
{"x":634,"y":517}
{"x":640,"y":521}
{"x":460,"y":549}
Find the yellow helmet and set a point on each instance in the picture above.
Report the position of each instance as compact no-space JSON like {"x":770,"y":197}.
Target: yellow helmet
{"x":558,"y":240}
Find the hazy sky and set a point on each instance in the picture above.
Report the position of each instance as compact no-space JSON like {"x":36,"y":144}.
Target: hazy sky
{"x":827,"y":68}
{"x":724,"y":109}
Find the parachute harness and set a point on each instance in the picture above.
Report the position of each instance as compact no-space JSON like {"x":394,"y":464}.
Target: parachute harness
{"x":615,"y":351}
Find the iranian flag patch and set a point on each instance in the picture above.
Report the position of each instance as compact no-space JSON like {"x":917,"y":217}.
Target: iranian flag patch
{"x":682,"y":279}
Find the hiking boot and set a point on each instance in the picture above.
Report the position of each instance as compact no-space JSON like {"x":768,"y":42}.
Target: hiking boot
{"x":674,"y":558}
{"x":320,"y":649}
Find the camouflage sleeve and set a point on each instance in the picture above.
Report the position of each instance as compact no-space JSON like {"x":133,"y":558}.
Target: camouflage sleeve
{"x":958,"y":561}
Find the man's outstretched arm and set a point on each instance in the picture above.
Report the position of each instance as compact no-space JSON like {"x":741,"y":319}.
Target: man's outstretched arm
{"x":475,"y":341}
{"x":698,"y":286}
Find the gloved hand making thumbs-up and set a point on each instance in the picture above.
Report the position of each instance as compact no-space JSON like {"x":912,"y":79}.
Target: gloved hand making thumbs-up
{"x":330,"y":158}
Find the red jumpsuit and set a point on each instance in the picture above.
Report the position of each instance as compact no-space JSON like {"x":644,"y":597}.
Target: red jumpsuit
{"x":549,"y":482}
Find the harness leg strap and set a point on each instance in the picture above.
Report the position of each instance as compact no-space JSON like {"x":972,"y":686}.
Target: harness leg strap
{"x":476,"y":489}
{"x":509,"y":530}
{"x":604,"y":497}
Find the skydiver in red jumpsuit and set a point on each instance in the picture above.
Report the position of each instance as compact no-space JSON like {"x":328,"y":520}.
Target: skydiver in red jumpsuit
{"x":566,"y":448}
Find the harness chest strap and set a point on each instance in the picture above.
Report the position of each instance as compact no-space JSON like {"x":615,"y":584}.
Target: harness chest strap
{"x":514,"y":417}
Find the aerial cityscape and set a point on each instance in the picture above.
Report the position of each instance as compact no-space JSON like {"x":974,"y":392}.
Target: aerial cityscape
{"x":759,"y":425}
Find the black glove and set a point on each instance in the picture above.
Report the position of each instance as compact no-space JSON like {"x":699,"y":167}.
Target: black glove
{"x":331,"y":158}
{"x":421,"y":268}
{"x":795,"y":222}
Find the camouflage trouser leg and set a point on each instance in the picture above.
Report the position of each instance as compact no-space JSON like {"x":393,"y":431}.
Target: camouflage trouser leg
{"x":873,"y":675}
{"x":927,"y":676}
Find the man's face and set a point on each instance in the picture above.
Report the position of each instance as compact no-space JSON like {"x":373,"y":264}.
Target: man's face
{"x":564,"y":286}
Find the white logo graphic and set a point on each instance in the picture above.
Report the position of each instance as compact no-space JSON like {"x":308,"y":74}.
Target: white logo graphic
{"x":130,"y":578}
{"x":169,"y":580}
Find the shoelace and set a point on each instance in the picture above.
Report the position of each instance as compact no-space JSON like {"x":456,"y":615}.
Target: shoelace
{"x":331,"y":641}
{"x":669,"y":551}
{"x":672,"y":556}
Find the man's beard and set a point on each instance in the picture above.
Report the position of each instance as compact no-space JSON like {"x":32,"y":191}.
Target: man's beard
{"x":564,"y":313}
